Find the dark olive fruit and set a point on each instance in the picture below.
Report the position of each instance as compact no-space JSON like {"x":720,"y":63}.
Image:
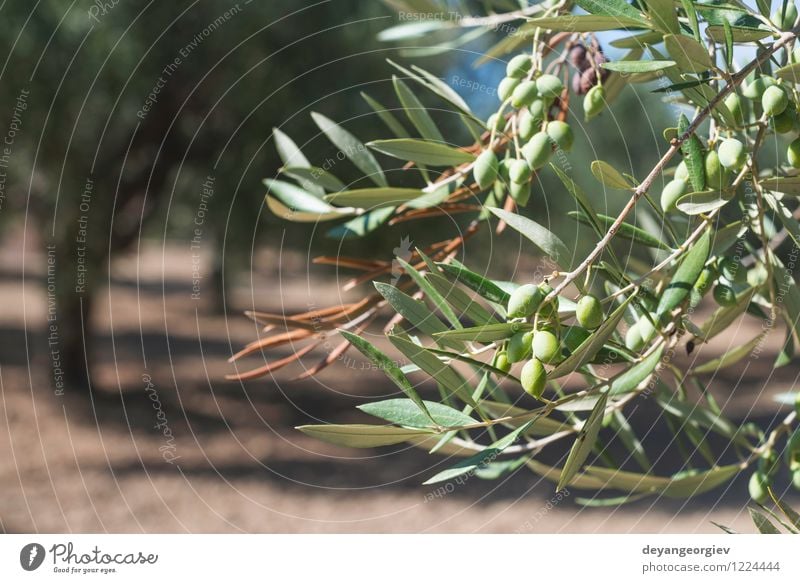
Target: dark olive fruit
{"x":732,"y":154}
{"x":784,"y":123}
{"x":774,"y":100}
{"x":757,"y":487}
{"x":577,"y":56}
{"x":524,"y":94}
{"x":724,"y":294}
{"x":546,"y":346}
{"x":756,"y":88}
{"x":716,"y":178}
{"x":496,"y":122}
{"x":784,"y":19}
{"x":519,"y":171}
{"x":506,"y":88}
{"x":561,"y":133}
{"x":524,"y":301}
{"x":520,"y":192}
{"x":793,"y":153}
{"x":519,"y":66}
{"x":485,"y":169}
{"x":633,"y":338}
{"x":673,"y":190}
{"x":538,"y":150}
{"x":501,"y":361}
{"x":533,"y":378}
{"x":734,"y":105}
{"x":731,"y":269}
{"x":519,"y":346}
{"x":589,"y":312}
{"x":594,"y":102}
{"x":549,"y":86}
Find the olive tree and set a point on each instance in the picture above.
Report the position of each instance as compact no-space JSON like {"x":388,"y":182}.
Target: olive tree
{"x":563,"y":361}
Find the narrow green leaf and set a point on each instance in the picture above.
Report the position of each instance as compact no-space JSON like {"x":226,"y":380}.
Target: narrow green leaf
{"x":536,"y":233}
{"x":626,"y":230}
{"x":637,"y":41}
{"x":584,"y":443}
{"x":416,"y":112}
{"x":678,"y":486}
{"x":487,"y":333}
{"x":627,"y":435}
{"x":685,"y":276}
{"x":689,"y":54}
{"x":696,"y":413}
{"x":609,"y":176}
{"x":542,"y":426}
{"x":477,"y":283}
{"x":296,"y":215}
{"x":431,"y":293}
{"x":480,"y":459}
{"x":663,"y":15}
{"x":724,"y":316}
{"x":314,"y":178}
{"x":698,"y":203}
{"x":351,"y":147}
{"x":460,"y":301}
{"x":388,"y":366}
{"x":615,"y":8}
{"x":361,"y":225}
{"x":739,"y":34}
{"x":416,"y":312}
{"x":374,"y":197}
{"x":387,"y":117}
{"x":405,"y":412}
{"x":692,"y":151}
{"x":362,"y":435}
{"x":288,"y":150}
{"x":731,"y":357}
{"x":638,"y":66}
{"x":637,"y":374}
{"x":422,"y":152}
{"x":691,"y":14}
{"x":583,"y":23}
{"x":785,"y":184}
{"x":763,"y":523}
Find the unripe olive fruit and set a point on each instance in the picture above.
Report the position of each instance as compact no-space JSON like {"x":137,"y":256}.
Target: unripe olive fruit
{"x":501,"y":361}
{"x":784,"y":19}
{"x":704,"y":281}
{"x":519,"y":171}
{"x":796,"y":479}
{"x":646,"y":329}
{"x":673,"y":190}
{"x":533,"y":378}
{"x":774,"y":100}
{"x":506,"y":87}
{"x":549,"y":86}
{"x":732,"y":270}
{"x":546,"y":346}
{"x":524,"y":301}
{"x":716,"y":178}
{"x":757,"y":275}
{"x":589,"y":312}
{"x":561,"y":133}
{"x":520,"y":192}
{"x":757,"y":87}
{"x":538,"y":150}
{"x":519,"y":66}
{"x":527,"y":124}
{"x":757,"y":487}
{"x":524,"y":94}
{"x":793,"y":153}
{"x":633,"y":338}
{"x":485,"y":169}
{"x":724,"y":294}
{"x":784,"y":122}
{"x":519,"y":346}
{"x":682,"y":171}
{"x":734,"y":104}
{"x":594,"y":101}
{"x":732,"y":154}
{"x":496,"y":122}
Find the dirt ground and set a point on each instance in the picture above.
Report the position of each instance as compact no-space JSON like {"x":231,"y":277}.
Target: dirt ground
{"x":165,"y":444}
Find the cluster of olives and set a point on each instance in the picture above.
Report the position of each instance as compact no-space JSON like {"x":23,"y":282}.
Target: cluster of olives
{"x":549,"y":343}
{"x":585,"y":80}
{"x":532,"y":93}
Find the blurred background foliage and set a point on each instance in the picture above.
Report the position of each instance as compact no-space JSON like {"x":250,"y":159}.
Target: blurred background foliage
{"x":90,"y":66}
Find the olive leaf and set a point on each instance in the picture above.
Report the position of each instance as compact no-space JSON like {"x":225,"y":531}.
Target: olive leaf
{"x":692,"y":151}
{"x":416,"y":112}
{"x":351,"y":147}
{"x":763,"y":523}
{"x":356,"y":435}
{"x":583,"y":23}
{"x":486,"y":333}
{"x":431,"y":293}
{"x":697,"y":203}
{"x":678,"y":486}
{"x":686,"y":275}
{"x":536,"y":233}
{"x":663,"y":15}
{"x":688,"y":53}
{"x":405,"y":412}
{"x":477,"y":283}
{"x":729,"y":358}
{"x":361,"y":225}
{"x":626,"y":230}
{"x":374,"y":197}
{"x":387,"y":117}
{"x":415,"y":311}
{"x":460,"y":301}
{"x":422,"y":152}
{"x":609,"y":176}
{"x":638,"y":66}
{"x":583,"y":443}
{"x":312,"y":178}
{"x":785,"y":184}
{"x":296,"y":204}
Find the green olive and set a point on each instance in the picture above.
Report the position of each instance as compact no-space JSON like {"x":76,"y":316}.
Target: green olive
{"x":796,"y":479}
{"x":524,"y":301}
{"x":724,"y":294}
{"x":549,"y":86}
{"x":682,"y":171}
{"x":732,"y":154}
{"x":506,"y":88}
{"x":524,"y":94}
{"x":502,"y":362}
{"x":734,"y":105}
{"x":519,"y":346}
{"x":774,"y":100}
{"x":496,"y":122}
{"x":716,"y":176}
{"x":519,"y":66}
{"x":633,"y":338}
{"x":589,"y":312}
{"x":561,"y":133}
{"x":731,"y":269}
{"x":533,"y":378}
{"x":546,"y":346}
{"x":704,"y":281}
{"x":757,"y":487}
{"x":538,"y":150}
{"x":519,"y":171}
{"x":485,"y":169}
{"x":520,"y":192}
{"x":756,"y":88}
{"x":594,"y":102}
{"x":673,"y":190}
{"x":783,"y":123}
{"x":793,"y":153}
{"x":527,"y":124}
